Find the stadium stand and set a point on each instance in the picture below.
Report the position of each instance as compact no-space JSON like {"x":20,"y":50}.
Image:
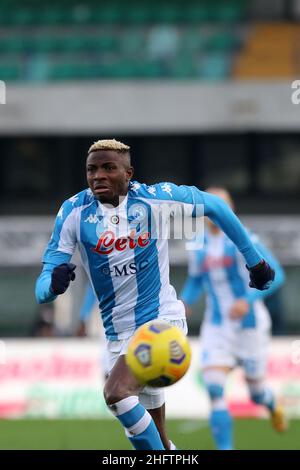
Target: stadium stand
{"x":270,"y":52}
{"x":87,"y":40}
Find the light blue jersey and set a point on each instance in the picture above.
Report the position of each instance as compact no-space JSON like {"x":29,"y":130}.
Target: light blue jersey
{"x":218,"y":270}
{"x":127,"y":265}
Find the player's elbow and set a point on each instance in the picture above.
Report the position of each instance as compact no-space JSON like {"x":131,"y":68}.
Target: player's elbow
{"x":214,"y":205}
{"x":221,"y":214}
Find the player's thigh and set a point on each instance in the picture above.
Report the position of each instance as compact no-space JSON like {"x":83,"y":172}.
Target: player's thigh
{"x":216,"y":348}
{"x":253,"y":353}
{"x":121,"y":383}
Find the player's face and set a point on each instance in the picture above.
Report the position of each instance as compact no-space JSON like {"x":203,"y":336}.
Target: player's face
{"x":108,"y":174}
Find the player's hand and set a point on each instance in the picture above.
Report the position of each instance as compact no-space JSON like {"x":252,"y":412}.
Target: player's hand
{"x":61,"y":277}
{"x":261,"y":276}
{"x":239,"y":309}
{"x":81,"y":330}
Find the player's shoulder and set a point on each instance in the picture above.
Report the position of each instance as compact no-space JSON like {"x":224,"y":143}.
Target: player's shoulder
{"x":153,"y":191}
{"x":162,"y":191}
{"x":78,"y":200}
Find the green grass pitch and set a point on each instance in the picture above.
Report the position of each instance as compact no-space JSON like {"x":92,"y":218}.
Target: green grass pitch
{"x":109,"y":435}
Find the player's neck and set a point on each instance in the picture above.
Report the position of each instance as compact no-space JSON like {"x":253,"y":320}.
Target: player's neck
{"x":115,"y":201}
{"x":118,"y":200}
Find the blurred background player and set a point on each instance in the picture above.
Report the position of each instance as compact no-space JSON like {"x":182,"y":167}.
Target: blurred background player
{"x":86,"y":310}
{"x":236,"y":324}
{"x":127,"y":262}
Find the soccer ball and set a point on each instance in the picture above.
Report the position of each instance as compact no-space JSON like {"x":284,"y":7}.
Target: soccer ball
{"x":158,"y":354}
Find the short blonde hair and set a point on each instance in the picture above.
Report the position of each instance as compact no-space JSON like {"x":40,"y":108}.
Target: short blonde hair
{"x":109,"y":144}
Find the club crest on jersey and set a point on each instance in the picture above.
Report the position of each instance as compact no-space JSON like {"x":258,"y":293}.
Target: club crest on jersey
{"x":108,"y":242}
{"x":139,"y":213}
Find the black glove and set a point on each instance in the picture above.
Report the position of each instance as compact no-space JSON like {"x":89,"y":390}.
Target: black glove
{"x":61,"y":277}
{"x":261,"y":276}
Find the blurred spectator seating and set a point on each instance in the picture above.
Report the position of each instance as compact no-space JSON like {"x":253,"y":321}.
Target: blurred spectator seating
{"x":72,"y":39}
{"x":271,"y":51}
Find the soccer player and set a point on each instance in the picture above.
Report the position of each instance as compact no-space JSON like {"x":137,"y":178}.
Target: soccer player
{"x":112,"y":224}
{"x":236,"y":324}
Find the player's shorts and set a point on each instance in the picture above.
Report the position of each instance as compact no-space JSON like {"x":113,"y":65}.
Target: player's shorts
{"x":229,"y":345}
{"x":150,"y":397}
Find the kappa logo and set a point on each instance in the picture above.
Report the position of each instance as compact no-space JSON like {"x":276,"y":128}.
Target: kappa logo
{"x":92,"y":219}
{"x":167,"y":189}
{"x":152,"y":190}
{"x":60,"y":213}
{"x":135,"y":187}
{"x":73,"y":199}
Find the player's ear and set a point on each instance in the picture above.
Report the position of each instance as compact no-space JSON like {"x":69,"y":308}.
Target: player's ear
{"x":129,"y":173}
